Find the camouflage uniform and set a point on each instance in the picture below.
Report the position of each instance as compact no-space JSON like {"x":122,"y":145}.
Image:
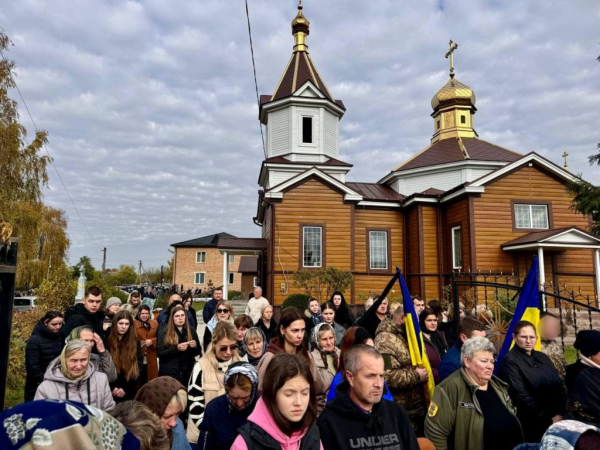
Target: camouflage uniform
{"x":401,"y":376}
{"x":553,"y":350}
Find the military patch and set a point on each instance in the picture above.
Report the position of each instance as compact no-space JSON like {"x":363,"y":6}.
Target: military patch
{"x":433,"y":409}
{"x":467,"y":405}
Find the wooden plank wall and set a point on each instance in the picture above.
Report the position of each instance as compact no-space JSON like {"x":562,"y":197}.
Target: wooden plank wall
{"x":457,"y":214}
{"x":431,"y":252}
{"x":413,"y":237}
{"x":493,"y":221}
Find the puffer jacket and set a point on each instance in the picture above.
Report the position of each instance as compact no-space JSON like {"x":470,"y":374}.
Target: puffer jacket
{"x":92,"y":389}
{"x":43,"y":346}
{"x":77,"y":315}
{"x":536,"y":389}
{"x":401,"y":376}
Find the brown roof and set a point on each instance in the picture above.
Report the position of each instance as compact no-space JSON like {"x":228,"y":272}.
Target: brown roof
{"x":538,"y":236}
{"x":329,"y":162}
{"x":448,"y":151}
{"x":248,"y":264}
{"x":300,"y":69}
{"x":432,"y":191}
{"x":242,"y":244}
{"x":375,"y":191}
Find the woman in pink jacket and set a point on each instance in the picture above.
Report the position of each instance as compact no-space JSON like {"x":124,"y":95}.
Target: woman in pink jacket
{"x":285,"y":415}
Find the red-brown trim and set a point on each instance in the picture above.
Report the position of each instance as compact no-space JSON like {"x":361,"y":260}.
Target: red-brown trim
{"x":530,"y":201}
{"x":421,"y":249}
{"x":472,"y":240}
{"x":301,"y":244}
{"x":389,"y":270}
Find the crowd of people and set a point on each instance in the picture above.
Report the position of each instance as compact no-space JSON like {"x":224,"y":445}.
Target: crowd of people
{"x":116,"y":377}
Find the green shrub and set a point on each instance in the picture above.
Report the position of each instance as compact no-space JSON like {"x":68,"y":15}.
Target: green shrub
{"x":234,"y":295}
{"x":299,"y":301}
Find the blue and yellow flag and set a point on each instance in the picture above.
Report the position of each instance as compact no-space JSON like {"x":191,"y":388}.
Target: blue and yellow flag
{"x":528,"y":308}
{"x":416,"y":346}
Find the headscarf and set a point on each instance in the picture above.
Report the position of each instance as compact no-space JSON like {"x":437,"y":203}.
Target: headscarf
{"x":316,"y":318}
{"x":74,"y":334}
{"x":144,"y":323}
{"x":157,"y":394}
{"x":63,"y":364}
{"x":249,"y":371}
{"x":315,"y":343}
{"x":251,"y":359}
{"x":65,"y":425}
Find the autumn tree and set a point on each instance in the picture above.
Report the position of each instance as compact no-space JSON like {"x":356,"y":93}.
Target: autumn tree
{"x":23,"y":176}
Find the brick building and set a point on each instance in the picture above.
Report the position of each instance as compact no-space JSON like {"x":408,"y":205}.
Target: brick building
{"x":200,"y":263}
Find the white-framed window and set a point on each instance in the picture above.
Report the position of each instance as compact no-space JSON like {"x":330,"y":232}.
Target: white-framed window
{"x":230,"y":259}
{"x":200,"y":257}
{"x":456,"y":248}
{"x":199,"y":277}
{"x":378,"y":249}
{"x":255,"y":282}
{"x":231,"y":277}
{"x":312,"y":246}
{"x":531,"y":216}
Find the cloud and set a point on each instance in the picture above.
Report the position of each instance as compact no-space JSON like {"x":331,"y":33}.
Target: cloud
{"x":152,"y":111}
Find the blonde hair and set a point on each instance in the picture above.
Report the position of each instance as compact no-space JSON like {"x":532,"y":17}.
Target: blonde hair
{"x":223,"y":330}
{"x":262,"y":310}
{"x":179,"y":398}
{"x":229,"y":306}
{"x":483,"y":314}
{"x":143,"y":424}
{"x":394,"y":306}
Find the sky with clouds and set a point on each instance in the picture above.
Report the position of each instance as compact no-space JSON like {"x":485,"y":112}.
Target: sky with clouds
{"x":152,"y":113}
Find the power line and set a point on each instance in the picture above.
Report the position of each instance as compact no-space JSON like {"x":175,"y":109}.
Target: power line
{"x":52,"y":160}
{"x":255,"y":82}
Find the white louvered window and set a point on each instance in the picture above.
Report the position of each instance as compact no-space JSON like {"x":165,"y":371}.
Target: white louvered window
{"x":312,"y":246}
{"x":200,"y":257}
{"x":378,"y":249}
{"x":531,"y":216}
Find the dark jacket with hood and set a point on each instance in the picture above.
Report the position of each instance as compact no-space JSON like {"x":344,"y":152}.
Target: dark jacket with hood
{"x":343,"y":315}
{"x":369,"y":320}
{"x":343,"y":425}
{"x":584,"y":398}
{"x":163,"y":317}
{"x":535,"y":388}
{"x":451,"y":361}
{"x":43,"y":346}
{"x":77,"y":315}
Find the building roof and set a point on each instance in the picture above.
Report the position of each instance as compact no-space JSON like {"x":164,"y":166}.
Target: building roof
{"x":329,"y":162}
{"x":206,"y":241}
{"x":248,"y":264}
{"x":246,"y":244}
{"x":449,"y":150}
{"x":375,"y":191}
{"x":558,"y":236}
{"x":432,"y":191}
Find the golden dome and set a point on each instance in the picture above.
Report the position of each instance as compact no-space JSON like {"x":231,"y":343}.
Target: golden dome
{"x":454,"y":90}
{"x":300,"y":23}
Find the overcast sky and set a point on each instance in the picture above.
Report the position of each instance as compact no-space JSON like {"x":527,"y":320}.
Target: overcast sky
{"x":152,"y":114}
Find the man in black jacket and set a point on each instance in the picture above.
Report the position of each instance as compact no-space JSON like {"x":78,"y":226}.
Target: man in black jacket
{"x":88,"y":312}
{"x":358,"y":417}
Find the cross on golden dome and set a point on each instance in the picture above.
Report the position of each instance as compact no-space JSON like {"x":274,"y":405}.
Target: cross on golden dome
{"x":450,"y":54}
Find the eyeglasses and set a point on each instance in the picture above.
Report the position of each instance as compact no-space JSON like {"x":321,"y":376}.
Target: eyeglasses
{"x":230,"y":348}
{"x":222,"y":310}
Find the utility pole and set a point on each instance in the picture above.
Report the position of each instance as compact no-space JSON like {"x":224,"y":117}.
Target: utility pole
{"x":104,"y":262}
{"x":140,"y":271}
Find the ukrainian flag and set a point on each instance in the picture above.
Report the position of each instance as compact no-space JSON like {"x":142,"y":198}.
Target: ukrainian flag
{"x":416,"y":346}
{"x":528,"y":308}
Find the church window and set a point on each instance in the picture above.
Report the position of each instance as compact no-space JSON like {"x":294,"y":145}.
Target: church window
{"x":463,"y":119}
{"x":378,"y":249}
{"x":199,"y":277}
{"x":307,"y":133}
{"x":312,"y":246}
{"x":200,"y":257}
{"x":456,"y":248}
{"x":531,"y":216}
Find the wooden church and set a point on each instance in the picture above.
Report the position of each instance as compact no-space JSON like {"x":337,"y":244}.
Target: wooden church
{"x":460,"y":204}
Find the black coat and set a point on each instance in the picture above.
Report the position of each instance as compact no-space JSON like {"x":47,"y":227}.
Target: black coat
{"x":258,"y":439}
{"x":172,"y":362}
{"x":584,"y":398}
{"x":270,"y":332}
{"x":573,"y":371}
{"x":77,"y":315}
{"x":536,"y":390}
{"x":129,"y":386}
{"x":343,"y":426}
{"x":43,"y":346}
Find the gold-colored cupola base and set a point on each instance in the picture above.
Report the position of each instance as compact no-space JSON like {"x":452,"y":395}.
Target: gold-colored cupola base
{"x":452,"y":122}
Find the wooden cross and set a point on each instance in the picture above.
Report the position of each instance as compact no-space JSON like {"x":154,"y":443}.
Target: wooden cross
{"x":450,"y":55}
{"x":564,"y":155}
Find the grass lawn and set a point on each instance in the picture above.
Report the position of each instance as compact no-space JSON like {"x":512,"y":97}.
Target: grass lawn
{"x":14,"y":397}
